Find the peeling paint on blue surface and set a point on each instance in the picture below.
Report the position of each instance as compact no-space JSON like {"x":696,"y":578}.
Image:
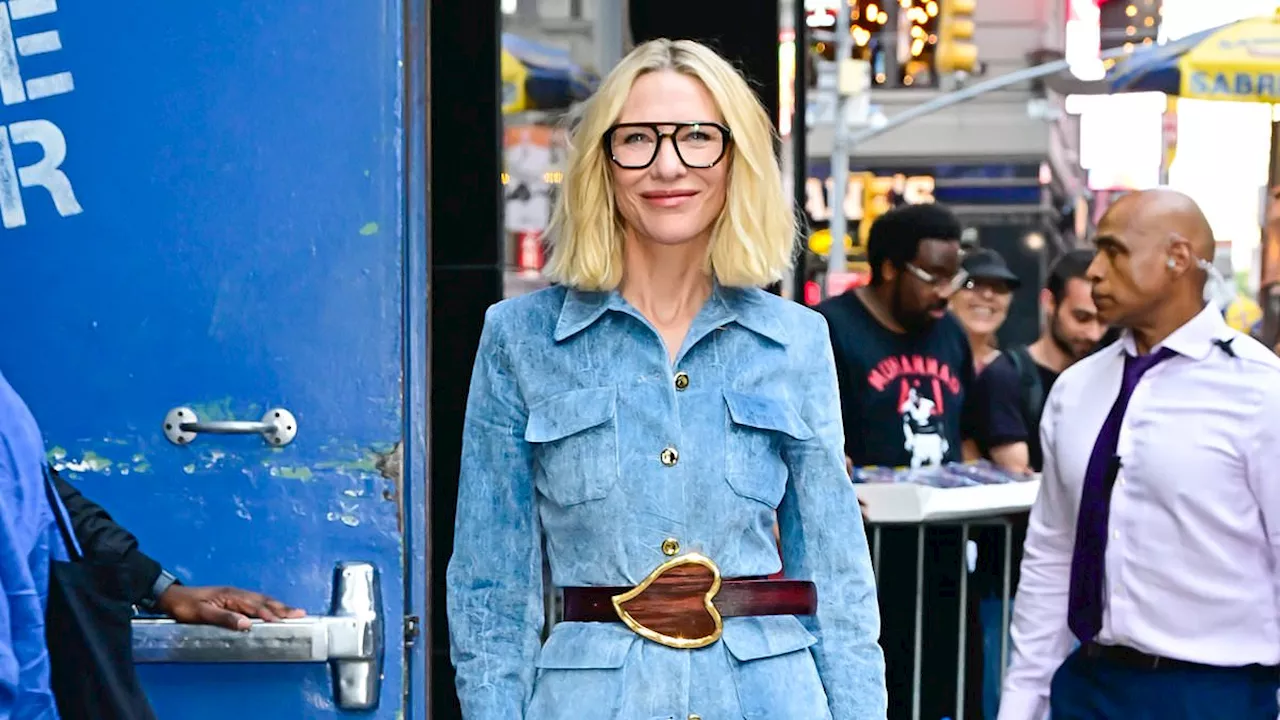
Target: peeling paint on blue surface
{"x":219,"y":264}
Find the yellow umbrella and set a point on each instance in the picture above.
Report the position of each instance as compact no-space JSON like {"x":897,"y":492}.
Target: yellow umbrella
{"x":1237,"y":62}
{"x":514,"y":75}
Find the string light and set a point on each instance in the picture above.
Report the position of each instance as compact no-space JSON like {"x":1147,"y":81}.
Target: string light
{"x":1129,"y":23}
{"x":917,"y":34}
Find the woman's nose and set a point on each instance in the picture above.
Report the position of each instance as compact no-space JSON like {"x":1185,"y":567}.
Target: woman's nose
{"x":668,"y":161}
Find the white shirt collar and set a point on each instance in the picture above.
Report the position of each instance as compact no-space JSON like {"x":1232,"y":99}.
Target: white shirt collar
{"x":1194,"y":340}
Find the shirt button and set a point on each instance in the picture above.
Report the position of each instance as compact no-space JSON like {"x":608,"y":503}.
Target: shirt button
{"x":670,"y":547}
{"x":694,"y":716}
{"x":1115,"y":534}
{"x":682,"y":380}
{"x":669,"y":456}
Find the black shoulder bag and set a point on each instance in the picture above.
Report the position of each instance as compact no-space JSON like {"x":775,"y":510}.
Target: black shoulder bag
{"x":89,"y":631}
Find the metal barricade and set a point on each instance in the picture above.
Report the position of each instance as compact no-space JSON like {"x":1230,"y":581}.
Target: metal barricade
{"x":965,"y":524}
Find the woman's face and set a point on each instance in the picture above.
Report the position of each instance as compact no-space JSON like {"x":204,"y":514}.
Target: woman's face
{"x":668,"y":202}
{"x":982,"y":305}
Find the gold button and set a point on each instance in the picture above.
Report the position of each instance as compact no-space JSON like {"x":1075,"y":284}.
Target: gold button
{"x":682,"y":380}
{"x":669,"y":456}
{"x":694,"y":716}
{"x":670,"y":547}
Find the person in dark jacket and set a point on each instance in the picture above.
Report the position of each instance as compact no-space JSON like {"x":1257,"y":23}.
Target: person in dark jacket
{"x":149,"y":585}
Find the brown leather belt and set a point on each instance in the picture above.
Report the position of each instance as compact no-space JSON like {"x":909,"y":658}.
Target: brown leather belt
{"x":681,"y":603}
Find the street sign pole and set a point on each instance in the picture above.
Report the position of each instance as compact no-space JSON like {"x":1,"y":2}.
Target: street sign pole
{"x":840,"y":143}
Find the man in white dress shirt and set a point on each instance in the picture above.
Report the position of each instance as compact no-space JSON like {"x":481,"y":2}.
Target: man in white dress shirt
{"x":1151,"y":572}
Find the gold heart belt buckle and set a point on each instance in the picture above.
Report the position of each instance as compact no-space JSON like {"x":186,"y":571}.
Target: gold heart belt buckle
{"x":674,"y":606}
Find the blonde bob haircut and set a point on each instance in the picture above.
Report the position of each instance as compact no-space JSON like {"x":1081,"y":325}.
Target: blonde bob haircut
{"x":753,"y":240}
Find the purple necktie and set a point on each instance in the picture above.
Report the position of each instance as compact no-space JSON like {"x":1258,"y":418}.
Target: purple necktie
{"x":1084,"y":609}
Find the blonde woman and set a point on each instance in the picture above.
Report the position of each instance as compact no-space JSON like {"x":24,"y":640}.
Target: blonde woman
{"x":644,"y":421}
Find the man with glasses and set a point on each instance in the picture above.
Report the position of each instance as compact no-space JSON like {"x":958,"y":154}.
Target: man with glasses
{"x":904,"y":365}
{"x":897,"y":349}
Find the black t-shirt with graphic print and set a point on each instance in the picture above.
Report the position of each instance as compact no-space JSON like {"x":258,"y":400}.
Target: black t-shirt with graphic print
{"x":902,"y":395}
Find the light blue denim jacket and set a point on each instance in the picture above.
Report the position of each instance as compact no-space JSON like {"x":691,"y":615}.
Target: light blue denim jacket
{"x":571,"y":405}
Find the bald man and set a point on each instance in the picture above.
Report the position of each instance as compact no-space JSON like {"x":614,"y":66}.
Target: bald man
{"x":1152,"y":563}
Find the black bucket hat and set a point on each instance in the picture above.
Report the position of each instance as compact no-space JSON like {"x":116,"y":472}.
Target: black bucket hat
{"x":986,"y":264}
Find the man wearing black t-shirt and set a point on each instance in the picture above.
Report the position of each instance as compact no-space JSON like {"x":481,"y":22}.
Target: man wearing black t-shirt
{"x":904,"y":366}
{"x":902,"y":359}
{"x":1009,"y":395}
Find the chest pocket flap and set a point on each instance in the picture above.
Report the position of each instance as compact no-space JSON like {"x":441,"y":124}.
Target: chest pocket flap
{"x":586,"y":646}
{"x":765,"y":636}
{"x":765,"y":413}
{"x":576,"y":443}
{"x":569,"y":413}
{"x":759,"y":425}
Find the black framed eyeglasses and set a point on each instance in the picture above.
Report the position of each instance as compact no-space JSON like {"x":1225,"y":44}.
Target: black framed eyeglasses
{"x":634,"y":146}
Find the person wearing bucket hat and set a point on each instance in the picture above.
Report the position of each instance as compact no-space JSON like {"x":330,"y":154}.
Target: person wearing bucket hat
{"x":982,"y":303}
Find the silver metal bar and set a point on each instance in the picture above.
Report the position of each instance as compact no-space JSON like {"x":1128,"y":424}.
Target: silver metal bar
{"x":350,"y":639}
{"x":228,"y":427}
{"x":979,"y":89}
{"x":305,"y":640}
{"x":919,"y":639}
{"x":278,"y":427}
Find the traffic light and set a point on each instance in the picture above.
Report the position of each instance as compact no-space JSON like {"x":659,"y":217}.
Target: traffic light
{"x":956,"y":50}
{"x":875,"y":202}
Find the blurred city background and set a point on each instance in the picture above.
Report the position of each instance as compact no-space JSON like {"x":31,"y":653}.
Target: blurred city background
{"x":1030,"y":166}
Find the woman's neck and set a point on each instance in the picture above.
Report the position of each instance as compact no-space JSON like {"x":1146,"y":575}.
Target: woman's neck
{"x":668,"y":284}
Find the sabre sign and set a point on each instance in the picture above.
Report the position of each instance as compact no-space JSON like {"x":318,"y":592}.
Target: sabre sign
{"x":1250,"y":86}
{"x":44,"y":172}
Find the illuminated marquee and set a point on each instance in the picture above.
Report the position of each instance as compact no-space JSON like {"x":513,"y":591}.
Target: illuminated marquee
{"x":862,"y":189}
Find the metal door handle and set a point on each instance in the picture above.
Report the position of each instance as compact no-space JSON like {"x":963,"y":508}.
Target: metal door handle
{"x":350,"y":639}
{"x":278,"y":427}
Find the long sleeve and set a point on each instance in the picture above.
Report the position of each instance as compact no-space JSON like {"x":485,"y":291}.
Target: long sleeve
{"x":495,"y":575}
{"x":103,"y":540}
{"x":25,"y":551}
{"x":28,"y":546}
{"x":823,"y":540}
{"x":1263,"y":467}
{"x":1041,"y":638}
{"x":9,"y":562}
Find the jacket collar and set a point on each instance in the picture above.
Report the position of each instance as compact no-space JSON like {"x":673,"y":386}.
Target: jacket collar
{"x":746,"y":306}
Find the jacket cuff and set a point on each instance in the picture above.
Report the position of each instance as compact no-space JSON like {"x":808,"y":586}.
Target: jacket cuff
{"x":141,"y":572}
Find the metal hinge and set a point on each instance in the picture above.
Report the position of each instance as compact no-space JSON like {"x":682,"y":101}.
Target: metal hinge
{"x":412,"y":628}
